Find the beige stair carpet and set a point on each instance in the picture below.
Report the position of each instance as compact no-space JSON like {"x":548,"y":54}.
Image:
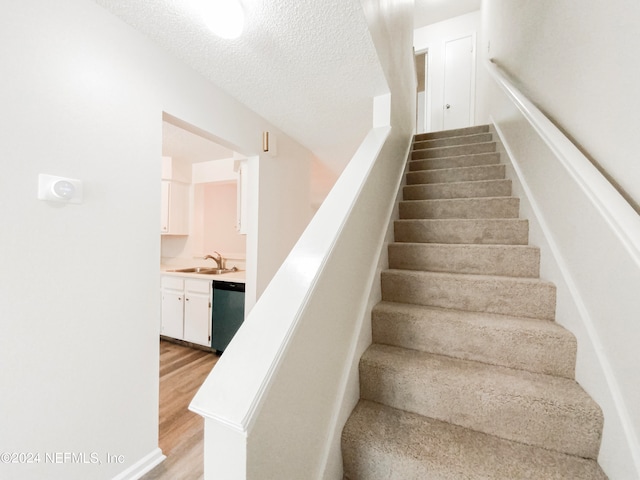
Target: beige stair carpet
{"x":469,"y":375}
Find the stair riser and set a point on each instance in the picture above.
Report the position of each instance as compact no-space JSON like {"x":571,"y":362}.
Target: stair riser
{"x":382,"y":443}
{"x":502,"y":402}
{"x":531,"y":345}
{"x":453,"y":141}
{"x":485,"y":232}
{"x":452,"y":133}
{"x":455,"y":208}
{"x":490,"y":188}
{"x":469,"y":174}
{"x":510,"y":261}
{"x":453,"y":151}
{"x":503,"y":295}
{"x":455,"y":162}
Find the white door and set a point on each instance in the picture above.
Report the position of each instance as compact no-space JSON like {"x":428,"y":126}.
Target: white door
{"x":459,"y":82}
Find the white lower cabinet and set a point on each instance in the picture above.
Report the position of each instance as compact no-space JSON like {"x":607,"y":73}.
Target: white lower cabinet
{"x":186,"y":309}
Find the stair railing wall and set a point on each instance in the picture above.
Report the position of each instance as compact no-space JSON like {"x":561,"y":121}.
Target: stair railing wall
{"x":275,"y":403}
{"x":590,"y":242}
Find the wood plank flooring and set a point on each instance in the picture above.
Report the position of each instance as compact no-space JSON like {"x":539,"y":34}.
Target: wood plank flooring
{"x":182,"y":371}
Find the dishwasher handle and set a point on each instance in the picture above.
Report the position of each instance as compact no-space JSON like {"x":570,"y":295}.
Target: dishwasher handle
{"x":229,"y":286}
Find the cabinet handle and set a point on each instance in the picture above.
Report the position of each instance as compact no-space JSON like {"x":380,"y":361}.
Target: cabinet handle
{"x":187,"y":299}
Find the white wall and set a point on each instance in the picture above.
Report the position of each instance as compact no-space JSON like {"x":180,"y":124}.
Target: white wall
{"x":282,"y":202}
{"x":578,"y":61}
{"x":82,"y":96}
{"x":433,"y":38}
{"x":219,"y":220}
{"x":597,"y":280}
{"x":583,"y":250}
{"x":391,"y":28}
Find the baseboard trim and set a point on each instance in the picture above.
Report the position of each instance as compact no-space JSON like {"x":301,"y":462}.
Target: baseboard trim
{"x":142,"y":466}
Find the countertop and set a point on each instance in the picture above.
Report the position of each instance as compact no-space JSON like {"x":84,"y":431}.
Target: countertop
{"x":238,"y":276}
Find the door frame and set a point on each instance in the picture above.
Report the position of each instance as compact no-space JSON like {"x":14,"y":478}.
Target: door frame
{"x":427,"y":87}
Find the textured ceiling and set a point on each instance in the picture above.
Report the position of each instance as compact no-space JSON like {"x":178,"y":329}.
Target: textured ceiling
{"x":307,"y":66}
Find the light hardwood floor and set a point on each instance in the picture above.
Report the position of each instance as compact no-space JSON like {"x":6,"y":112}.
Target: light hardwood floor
{"x":182,"y":371}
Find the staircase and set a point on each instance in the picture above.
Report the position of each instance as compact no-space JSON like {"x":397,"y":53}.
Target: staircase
{"x":469,"y":376}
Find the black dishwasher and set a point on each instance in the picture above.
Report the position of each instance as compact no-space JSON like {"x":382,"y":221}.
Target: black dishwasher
{"x":228,"y":313}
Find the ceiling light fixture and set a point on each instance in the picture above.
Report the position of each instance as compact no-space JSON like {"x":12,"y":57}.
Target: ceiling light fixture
{"x":225,"y":18}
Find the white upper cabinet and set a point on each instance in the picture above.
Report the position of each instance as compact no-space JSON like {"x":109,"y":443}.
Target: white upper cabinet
{"x":174,"y":207}
{"x":174,"y":211}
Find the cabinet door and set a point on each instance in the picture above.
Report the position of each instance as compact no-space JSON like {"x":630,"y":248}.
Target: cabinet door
{"x":172,"y":314}
{"x":197,"y":319}
{"x":197,"y":311}
{"x":164,"y":208}
{"x":174,"y":211}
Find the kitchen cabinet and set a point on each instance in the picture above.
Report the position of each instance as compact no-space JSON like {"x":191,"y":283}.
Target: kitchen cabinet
{"x":174,"y":211}
{"x":197,"y":311}
{"x":186,"y":309}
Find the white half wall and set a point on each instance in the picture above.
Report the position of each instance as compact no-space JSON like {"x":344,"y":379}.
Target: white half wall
{"x":83,"y":96}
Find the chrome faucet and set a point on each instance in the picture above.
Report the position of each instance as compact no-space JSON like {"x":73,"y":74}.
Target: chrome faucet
{"x":218,"y":259}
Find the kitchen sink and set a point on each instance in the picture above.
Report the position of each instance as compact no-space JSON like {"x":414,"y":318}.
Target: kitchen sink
{"x":195,"y":270}
{"x":205,"y":270}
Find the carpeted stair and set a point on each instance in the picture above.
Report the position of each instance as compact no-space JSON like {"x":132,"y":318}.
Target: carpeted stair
{"x":469,"y":376}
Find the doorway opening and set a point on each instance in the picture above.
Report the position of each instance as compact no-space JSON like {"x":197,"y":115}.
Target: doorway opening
{"x":204,"y":213}
{"x":423,"y":123}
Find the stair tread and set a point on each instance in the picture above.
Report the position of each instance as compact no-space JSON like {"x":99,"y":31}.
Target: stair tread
{"x":516,"y":342}
{"x":469,"y":167}
{"x":450,"y":190}
{"x":452,"y":147}
{"x":464,"y":182}
{"x":520,"y":296}
{"x":478,"y":246}
{"x":456,"y":140}
{"x":507,"y":260}
{"x":477,"y":207}
{"x":532,"y":408}
{"x":471,"y":159}
{"x":456,"y":174}
{"x":481,"y":375}
{"x":383,"y":443}
{"x":469,"y":276}
{"x":454,"y":150}
{"x":463,"y":231}
{"x":463,"y":200}
{"x":467,"y":220}
{"x":455,"y":132}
